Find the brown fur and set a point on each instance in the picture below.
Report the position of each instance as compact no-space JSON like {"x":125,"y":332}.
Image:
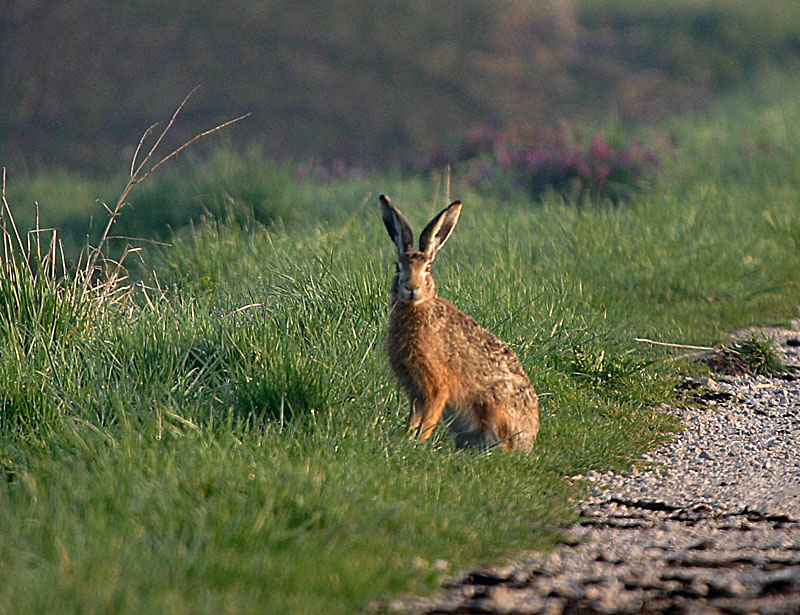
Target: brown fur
{"x":448,"y":364}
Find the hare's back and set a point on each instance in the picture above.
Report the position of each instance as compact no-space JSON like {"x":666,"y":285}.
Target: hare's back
{"x":475,"y":347}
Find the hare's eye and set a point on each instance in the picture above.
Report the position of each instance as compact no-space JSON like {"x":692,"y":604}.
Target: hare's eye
{"x":428,"y":267}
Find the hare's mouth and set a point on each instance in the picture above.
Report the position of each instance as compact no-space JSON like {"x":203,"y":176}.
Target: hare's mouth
{"x":413,"y":296}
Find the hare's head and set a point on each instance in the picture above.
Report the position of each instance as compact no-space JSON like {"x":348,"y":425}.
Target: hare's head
{"x":414,"y":283}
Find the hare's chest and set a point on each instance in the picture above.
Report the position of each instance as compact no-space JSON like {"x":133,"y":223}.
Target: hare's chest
{"x":416,"y":350}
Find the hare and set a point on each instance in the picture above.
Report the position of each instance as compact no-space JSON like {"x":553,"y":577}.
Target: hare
{"x":448,"y":364}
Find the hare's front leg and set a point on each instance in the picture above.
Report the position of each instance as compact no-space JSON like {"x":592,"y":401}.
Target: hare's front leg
{"x":414,"y":417}
{"x":426,"y":413}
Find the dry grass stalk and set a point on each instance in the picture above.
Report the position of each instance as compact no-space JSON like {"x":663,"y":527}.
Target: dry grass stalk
{"x":102,"y":280}
{"x":8,"y":218}
{"x":644,"y":340}
{"x":138,"y":173}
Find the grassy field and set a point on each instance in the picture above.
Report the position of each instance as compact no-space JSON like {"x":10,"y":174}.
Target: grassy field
{"x":230,"y":440}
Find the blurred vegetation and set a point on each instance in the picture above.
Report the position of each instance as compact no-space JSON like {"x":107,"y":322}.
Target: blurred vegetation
{"x":79,"y":79}
{"x":724,"y":144}
{"x":239,"y":187}
{"x":546,"y":160}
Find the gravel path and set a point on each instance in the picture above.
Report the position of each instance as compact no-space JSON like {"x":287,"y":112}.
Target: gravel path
{"x":713,"y":526}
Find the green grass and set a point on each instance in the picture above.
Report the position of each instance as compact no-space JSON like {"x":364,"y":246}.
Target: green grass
{"x":233,"y":442}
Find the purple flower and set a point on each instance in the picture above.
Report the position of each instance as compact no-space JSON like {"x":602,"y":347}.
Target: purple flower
{"x":579,"y":164}
{"x":534,"y":158}
{"x":477,"y":140}
{"x":321,"y":174}
{"x":338,"y":168}
{"x":503,"y":157}
{"x":600,"y":150}
{"x":547,"y":158}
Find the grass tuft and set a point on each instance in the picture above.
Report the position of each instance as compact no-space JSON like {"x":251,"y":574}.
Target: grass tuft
{"x":755,"y":356}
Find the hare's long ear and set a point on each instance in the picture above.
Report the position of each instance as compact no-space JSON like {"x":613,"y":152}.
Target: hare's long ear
{"x":438,"y":230}
{"x":397,"y":226}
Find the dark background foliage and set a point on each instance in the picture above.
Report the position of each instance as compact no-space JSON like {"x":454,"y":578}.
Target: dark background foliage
{"x":373,"y":83}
